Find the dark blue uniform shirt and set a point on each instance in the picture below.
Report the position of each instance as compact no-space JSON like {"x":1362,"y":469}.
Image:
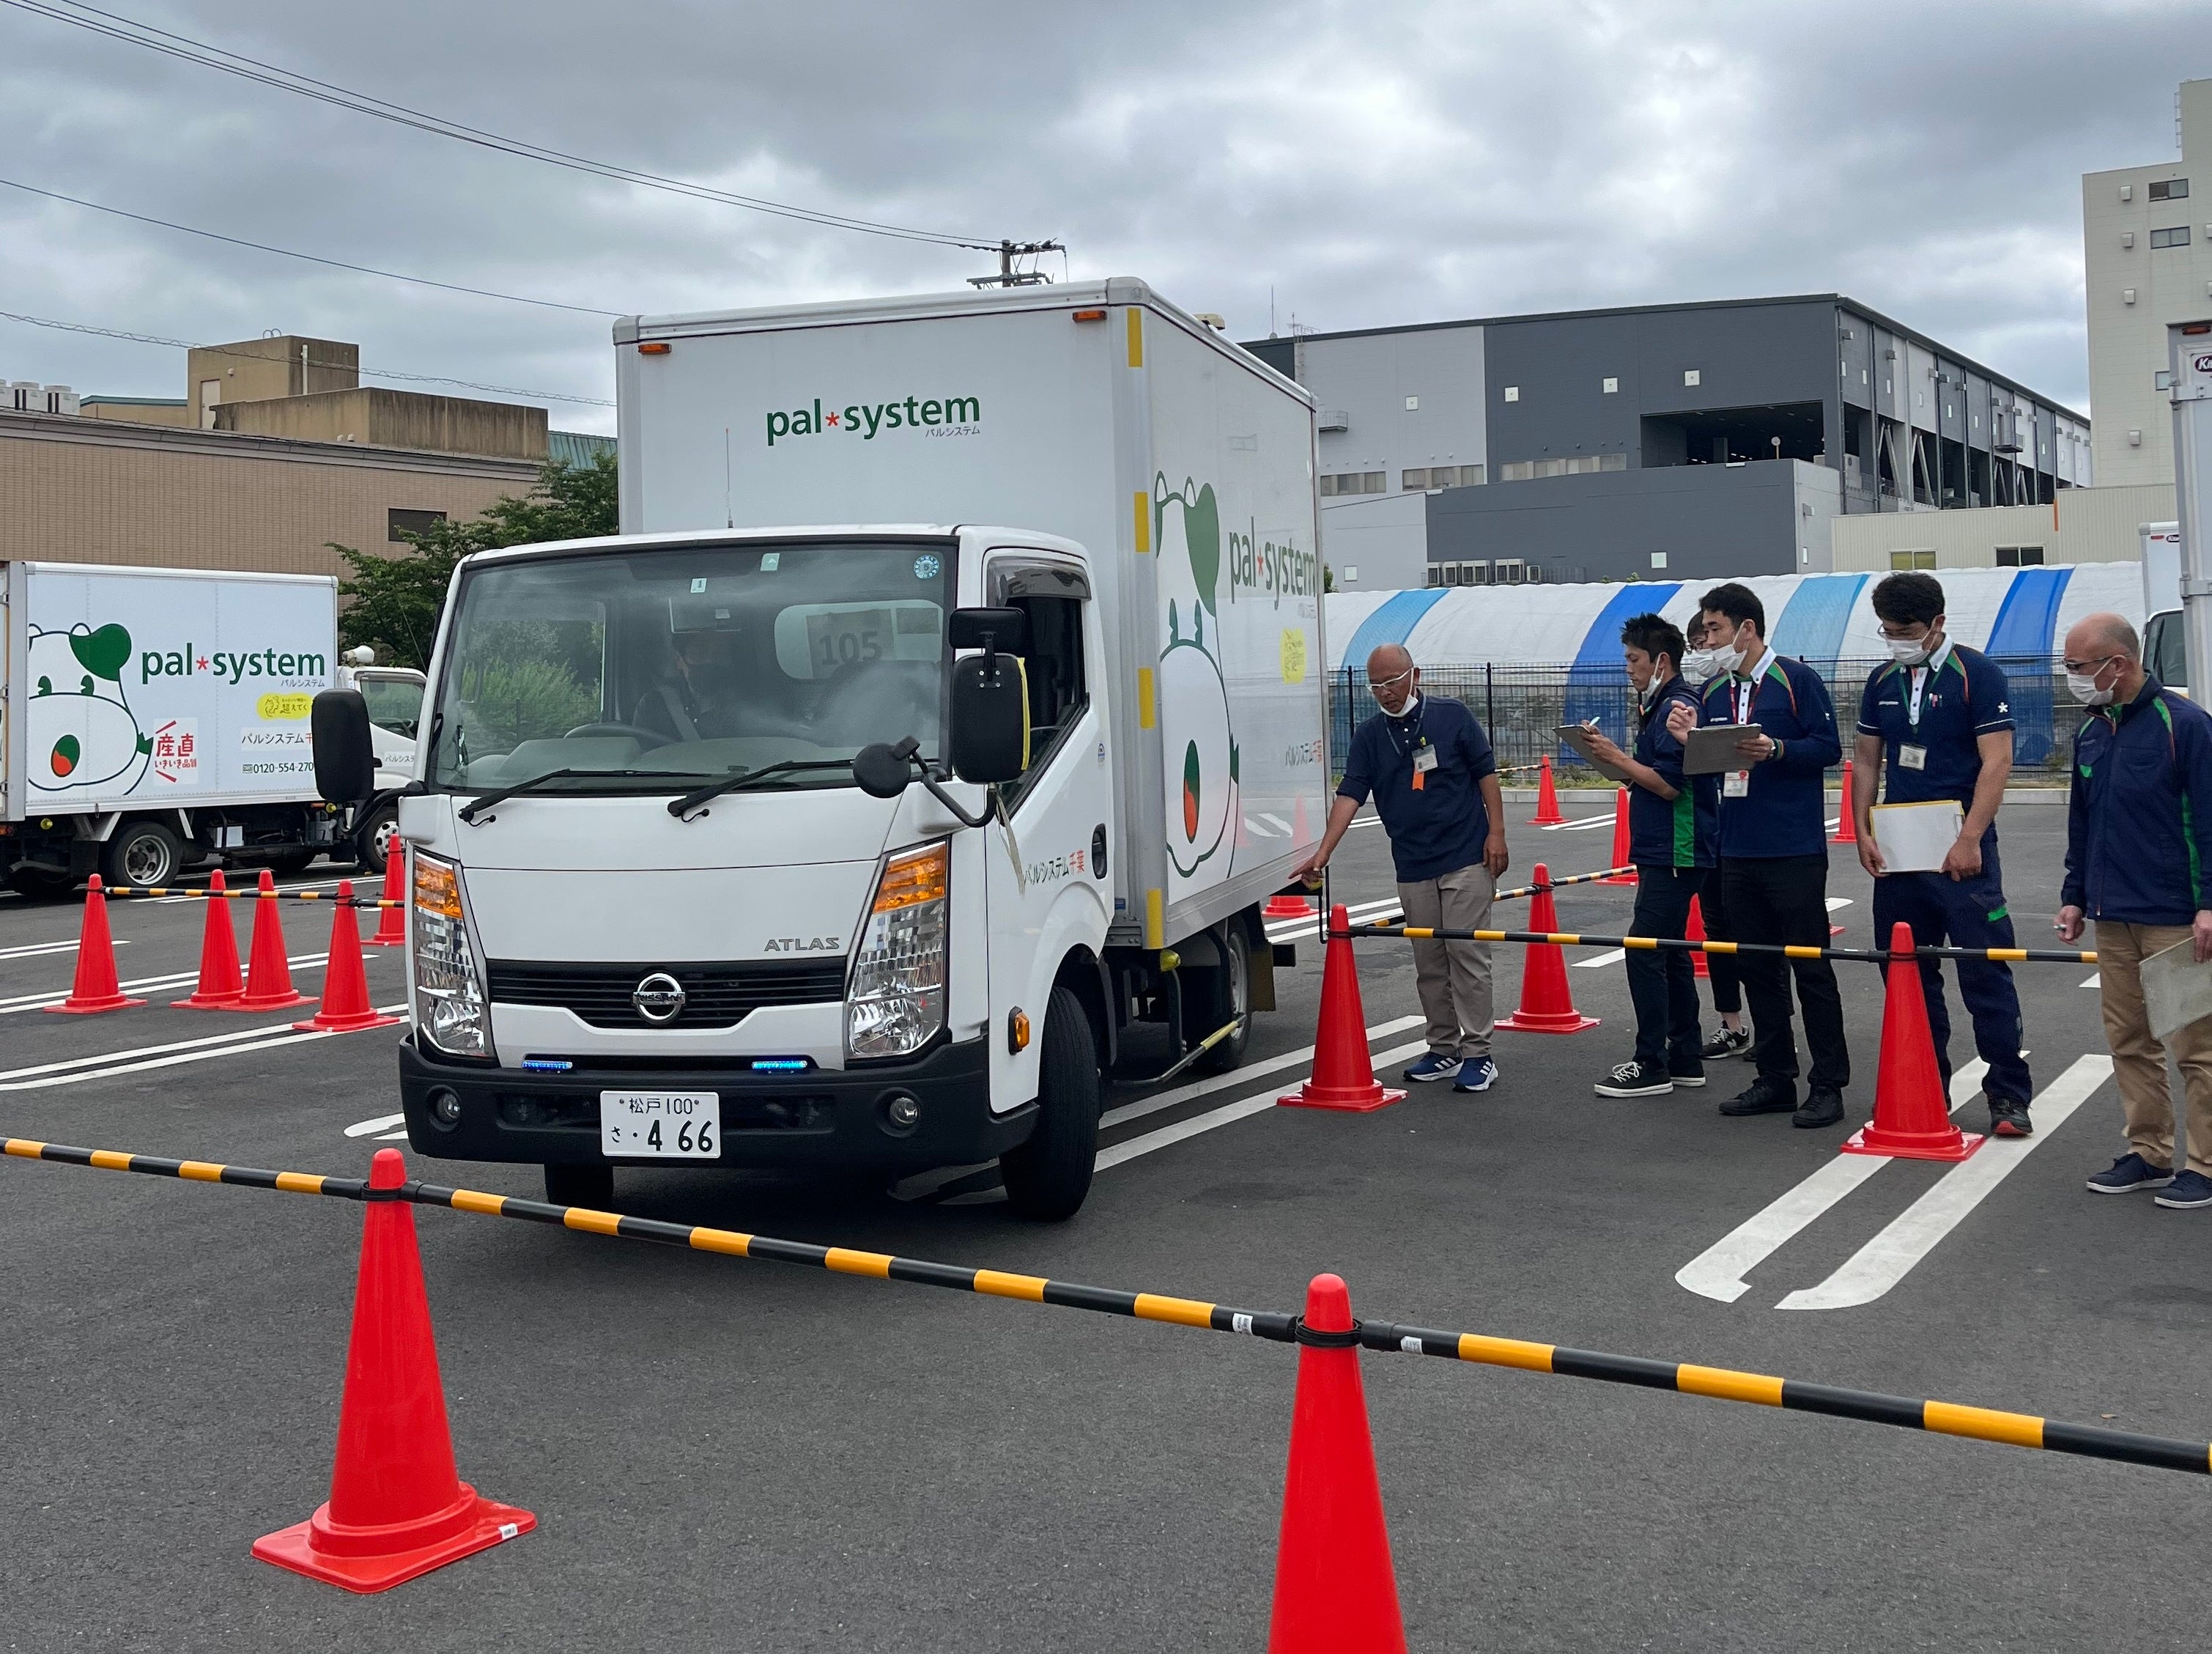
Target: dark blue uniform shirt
{"x":1440,"y":828}
{"x":1785,"y":812}
{"x":2139,"y":815}
{"x":1963,"y":697}
{"x":1684,"y":831}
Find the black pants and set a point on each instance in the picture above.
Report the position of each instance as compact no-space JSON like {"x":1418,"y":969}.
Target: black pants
{"x":1720,"y":968}
{"x":1663,"y":982}
{"x":1783,"y":899}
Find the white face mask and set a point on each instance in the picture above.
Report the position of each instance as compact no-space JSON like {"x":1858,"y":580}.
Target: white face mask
{"x":1912,"y":651}
{"x":1703,"y":665}
{"x":2082,"y":686}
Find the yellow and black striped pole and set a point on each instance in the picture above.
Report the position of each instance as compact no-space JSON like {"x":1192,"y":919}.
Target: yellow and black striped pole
{"x":248,"y":893}
{"x":1718,"y":1384}
{"x":1869,"y":956}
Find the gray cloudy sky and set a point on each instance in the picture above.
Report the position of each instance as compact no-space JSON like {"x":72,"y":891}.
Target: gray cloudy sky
{"x":1384,"y":162}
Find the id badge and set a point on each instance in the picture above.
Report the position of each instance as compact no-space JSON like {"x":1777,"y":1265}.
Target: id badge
{"x":1425,"y":758}
{"x":1911,"y":758}
{"x":1737,"y":784}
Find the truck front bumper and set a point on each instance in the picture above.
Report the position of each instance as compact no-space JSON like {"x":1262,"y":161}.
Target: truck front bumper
{"x":821,"y":1118}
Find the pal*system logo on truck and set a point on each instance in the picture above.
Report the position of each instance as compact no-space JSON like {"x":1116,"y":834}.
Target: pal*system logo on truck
{"x":938,"y":416}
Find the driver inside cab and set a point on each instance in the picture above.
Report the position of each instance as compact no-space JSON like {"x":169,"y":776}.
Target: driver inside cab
{"x":697,"y":698}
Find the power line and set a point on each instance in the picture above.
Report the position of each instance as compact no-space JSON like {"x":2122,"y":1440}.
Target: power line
{"x":365,"y":372}
{"x":115,"y":26}
{"x":313,"y":259}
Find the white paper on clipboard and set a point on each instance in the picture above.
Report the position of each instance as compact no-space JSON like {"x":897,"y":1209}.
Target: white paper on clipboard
{"x":1916,"y":838}
{"x":1711,"y":750}
{"x":2177,"y":990}
{"x":1577,"y":736}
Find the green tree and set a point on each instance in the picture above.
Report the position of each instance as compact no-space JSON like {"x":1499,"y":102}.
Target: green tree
{"x":393,"y":602}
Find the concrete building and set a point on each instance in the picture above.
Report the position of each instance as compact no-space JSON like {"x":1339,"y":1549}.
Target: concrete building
{"x":1700,"y":438}
{"x":2080,"y":525}
{"x":2147,"y":247}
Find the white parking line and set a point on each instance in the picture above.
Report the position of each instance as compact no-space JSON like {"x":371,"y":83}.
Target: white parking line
{"x":233,"y":1049}
{"x":105,"y":1057}
{"x":1913,"y":1234}
{"x":1361,"y":913}
{"x":1580,"y":826}
{"x":1718,"y":1271}
{"x":32,"y":949}
{"x":1835,"y":902}
{"x":2095,"y":979}
{"x":382,"y":1123}
{"x":1611,"y":955}
{"x":144,"y":984}
{"x":1243,"y":1109}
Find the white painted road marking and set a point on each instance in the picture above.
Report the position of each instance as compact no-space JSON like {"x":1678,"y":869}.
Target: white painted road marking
{"x":382,"y":1123}
{"x":1606,"y":959}
{"x":30,"y":950}
{"x":1718,"y":1271}
{"x":1580,"y":826}
{"x":233,"y":1049}
{"x":2095,"y":979}
{"x":1913,"y":1234}
{"x":105,"y":1057}
{"x":1243,"y":1109}
{"x":147,"y":984}
{"x":1835,"y":902}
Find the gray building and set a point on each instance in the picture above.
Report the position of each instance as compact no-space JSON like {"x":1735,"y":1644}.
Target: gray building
{"x":1694,"y":439}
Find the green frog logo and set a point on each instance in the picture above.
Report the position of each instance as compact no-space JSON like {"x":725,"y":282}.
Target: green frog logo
{"x":1198,"y":742}
{"x":80,"y":730}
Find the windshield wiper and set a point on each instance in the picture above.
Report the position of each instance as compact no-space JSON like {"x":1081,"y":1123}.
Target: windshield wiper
{"x":681,"y":808}
{"x":477,"y":806}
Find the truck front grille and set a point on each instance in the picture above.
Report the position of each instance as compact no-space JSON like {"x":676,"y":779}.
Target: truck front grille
{"x":716,"y":996}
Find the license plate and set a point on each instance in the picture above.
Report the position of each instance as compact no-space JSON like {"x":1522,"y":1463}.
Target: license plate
{"x":661,"y":1125}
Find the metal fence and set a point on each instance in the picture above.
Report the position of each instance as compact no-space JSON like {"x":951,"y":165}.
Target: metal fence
{"x":1522,"y":704}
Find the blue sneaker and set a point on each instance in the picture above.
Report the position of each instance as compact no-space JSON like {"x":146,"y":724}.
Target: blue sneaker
{"x":2188,"y":1189}
{"x":1430,"y":1066}
{"x":2130,"y":1173}
{"x":1476,"y":1074}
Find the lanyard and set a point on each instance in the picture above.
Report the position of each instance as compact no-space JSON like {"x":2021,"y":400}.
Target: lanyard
{"x":1920,"y":677}
{"x":1744,"y":692}
{"x":1421,"y":717}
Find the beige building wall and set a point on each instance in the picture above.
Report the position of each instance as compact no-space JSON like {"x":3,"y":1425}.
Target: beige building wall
{"x":2135,"y":290}
{"x":145,"y":411}
{"x":81,"y":491}
{"x":2082,"y":525}
{"x":395,"y":419}
{"x":253,"y":370}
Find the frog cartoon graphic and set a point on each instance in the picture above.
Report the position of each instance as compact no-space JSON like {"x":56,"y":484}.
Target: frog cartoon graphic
{"x":1198,"y":742}
{"x":80,"y":730}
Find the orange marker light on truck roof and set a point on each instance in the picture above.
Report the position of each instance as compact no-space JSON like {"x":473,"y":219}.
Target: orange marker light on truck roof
{"x":654,"y":347}
{"x":1090,"y":315}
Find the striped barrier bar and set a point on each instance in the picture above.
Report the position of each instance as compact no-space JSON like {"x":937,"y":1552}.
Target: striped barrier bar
{"x":1718,"y":1383}
{"x":1561,"y":883}
{"x":246,"y":893}
{"x":1869,"y":956}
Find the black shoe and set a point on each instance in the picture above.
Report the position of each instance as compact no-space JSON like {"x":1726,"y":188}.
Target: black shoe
{"x":1633,"y":1078}
{"x":2009,"y":1119}
{"x":1766,"y":1096}
{"x":1726,"y":1042}
{"x":1691,"y":1076}
{"x":1823,"y":1107}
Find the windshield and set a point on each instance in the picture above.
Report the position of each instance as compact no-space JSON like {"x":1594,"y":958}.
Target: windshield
{"x":675,"y":664}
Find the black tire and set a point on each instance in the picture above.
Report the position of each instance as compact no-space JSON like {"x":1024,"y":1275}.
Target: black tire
{"x":373,"y":838}
{"x":587,"y":1186}
{"x":41,"y":884}
{"x":288,"y":864}
{"x":142,"y":852}
{"x":1228,"y":993}
{"x":1048,"y":1176}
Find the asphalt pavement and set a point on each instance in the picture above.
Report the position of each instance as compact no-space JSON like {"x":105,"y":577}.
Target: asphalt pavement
{"x":734,"y":1455}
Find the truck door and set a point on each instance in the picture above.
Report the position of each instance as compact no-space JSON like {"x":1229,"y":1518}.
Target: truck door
{"x":1061,"y":809}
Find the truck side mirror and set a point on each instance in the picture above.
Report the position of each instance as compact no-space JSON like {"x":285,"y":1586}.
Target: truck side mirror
{"x":345,"y":757}
{"x":992,"y":630}
{"x":990,"y":736}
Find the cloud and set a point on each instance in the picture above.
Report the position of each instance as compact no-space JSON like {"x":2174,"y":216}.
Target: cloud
{"x":1367,"y":164}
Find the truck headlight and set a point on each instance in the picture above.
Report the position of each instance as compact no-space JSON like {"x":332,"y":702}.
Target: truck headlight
{"x":452,"y":1010}
{"x":896,"y":1004}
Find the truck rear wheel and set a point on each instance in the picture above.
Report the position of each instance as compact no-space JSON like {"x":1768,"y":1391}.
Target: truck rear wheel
{"x":1048,"y":1176}
{"x":142,"y":852}
{"x":1230,"y":995}
{"x":35,"y":884}
{"x":589,"y":1186}
{"x":374,"y":839}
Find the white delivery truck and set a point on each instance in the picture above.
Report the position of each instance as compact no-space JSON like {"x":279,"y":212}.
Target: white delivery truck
{"x":2164,"y":654}
{"x":154,"y":717}
{"x":741,"y":843}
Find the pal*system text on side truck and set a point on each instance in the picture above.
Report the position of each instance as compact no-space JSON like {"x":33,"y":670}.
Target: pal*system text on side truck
{"x":866,"y":845}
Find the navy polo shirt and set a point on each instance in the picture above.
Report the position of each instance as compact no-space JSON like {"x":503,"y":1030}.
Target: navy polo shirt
{"x":1441,"y":828}
{"x":1963,"y":697}
{"x":1684,"y":831}
{"x":1785,"y":812}
{"x":2139,"y":815}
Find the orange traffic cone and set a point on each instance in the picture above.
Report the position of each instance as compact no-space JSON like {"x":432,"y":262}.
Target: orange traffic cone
{"x":1343,"y":1073}
{"x":1696,"y":932}
{"x":268,"y":971}
{"x":1335,"y":1590}
{"x":220,"y":988}
{"x":1548,"y":1005}
{"x":1286,"y":907}
{"x":1847,"y":831}
{"x":397,"y":1508}
{"x":391,"y":921}
{"x":1621,"y":843}
{"x":1302,"y":833}
{"x":94,"y":987}
{"x":1548,"y":813}
{"x":345,"y":1007}
{"x":1911,"y":1115}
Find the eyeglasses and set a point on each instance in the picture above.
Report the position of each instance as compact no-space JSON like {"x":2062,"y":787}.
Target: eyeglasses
{"x":1377,"y":688}
{"x":1902,"y":636}
{"x":2089,"y":668}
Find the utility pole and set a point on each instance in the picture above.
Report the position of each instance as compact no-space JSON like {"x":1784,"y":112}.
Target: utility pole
{"x":1008,"y":275}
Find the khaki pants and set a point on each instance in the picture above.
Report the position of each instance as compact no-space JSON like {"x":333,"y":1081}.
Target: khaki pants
{"x":1453,"y":977}
{"x":2139,"y":1061}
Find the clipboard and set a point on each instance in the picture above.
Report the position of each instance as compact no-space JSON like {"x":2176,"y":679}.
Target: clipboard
{"x":2177,"y":990}
{"x":1710,"y":749}
{"x":1577,"y":736}
{"x":1916,"y":838}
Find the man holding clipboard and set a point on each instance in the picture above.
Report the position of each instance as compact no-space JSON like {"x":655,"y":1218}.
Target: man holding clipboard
{"x":1941,"y":712}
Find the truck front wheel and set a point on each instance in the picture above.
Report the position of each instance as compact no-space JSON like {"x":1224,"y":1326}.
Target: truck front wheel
{"x":1048,"y":1176}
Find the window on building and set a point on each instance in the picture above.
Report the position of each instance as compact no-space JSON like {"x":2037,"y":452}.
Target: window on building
{"x":2170,"y":189}
{"x":1440,"y":477}
{"x":1658,"y":559}
{"x":1551,"y":467}
{"x":1412,"y":404}
{"x":1354,"y":482}
{"x":1515,"y":471}
{"x":2176,"y":237}
{"x":1513,"y":393}
{"x":399,"y":523}
{"x":1920,"y":556}
{"x":2020,"y":556}
{"x":1611,"y":387}
{"x":1692,"y":376}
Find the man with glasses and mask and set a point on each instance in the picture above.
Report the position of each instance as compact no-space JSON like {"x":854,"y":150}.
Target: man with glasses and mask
{"x":2138,"y":853}
{"x":1428,"y":766}
{"x":1942,"y":714}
